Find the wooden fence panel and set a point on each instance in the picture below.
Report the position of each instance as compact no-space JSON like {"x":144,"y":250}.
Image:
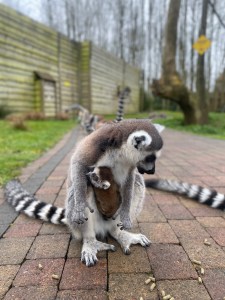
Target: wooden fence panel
{"x":107,"y":74}
{"x":31,"y":53}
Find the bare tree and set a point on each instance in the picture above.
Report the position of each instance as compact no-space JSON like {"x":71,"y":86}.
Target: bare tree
{"x":200,"y":84}
{"x":170,"y":86}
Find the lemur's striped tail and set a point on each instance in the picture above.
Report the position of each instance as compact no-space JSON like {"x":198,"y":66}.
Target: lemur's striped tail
{"x":26,"y":203}
{"x":120,"y":110}
{"x":121,"y":98}
{"x":203,"y":195}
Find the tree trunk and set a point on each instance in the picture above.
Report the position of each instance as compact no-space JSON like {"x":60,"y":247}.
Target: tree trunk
{"x":200,"y":82}
{"x":171,"y":86}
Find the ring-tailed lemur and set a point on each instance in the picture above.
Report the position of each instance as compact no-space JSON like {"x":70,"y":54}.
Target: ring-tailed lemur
{"x":125,"y":147}
{"x":87,"y":120}
{"x":90,"y":122}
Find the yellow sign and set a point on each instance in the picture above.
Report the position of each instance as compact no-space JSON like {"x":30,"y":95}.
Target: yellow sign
{"x":202,"y":44}
{"x":67,"y":83}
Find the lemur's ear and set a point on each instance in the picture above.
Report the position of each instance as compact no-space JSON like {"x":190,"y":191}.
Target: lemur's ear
{"x":159,"y":127}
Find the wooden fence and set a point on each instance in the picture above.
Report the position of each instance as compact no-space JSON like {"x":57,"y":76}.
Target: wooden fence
{"x":42,"y":70}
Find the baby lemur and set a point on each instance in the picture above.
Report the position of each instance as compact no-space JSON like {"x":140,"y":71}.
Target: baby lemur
{"x":106,"y":191}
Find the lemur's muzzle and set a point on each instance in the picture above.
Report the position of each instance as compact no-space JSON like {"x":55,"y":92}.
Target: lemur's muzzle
{"x":142,"y":170}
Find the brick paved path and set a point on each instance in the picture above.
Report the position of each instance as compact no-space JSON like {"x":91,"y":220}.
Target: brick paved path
{"x":176,"y":226}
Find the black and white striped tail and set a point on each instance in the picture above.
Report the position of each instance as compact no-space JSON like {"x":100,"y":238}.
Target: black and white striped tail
{"x":91,"y":123}
{"x":203,"y":195}
{"x":122,"y":95}
{"x":24,"y":202}
{"x":120,"y":110}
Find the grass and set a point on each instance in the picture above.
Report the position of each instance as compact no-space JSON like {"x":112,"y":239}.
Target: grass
{"x":18,"y":148}
{"x":215,"y":128}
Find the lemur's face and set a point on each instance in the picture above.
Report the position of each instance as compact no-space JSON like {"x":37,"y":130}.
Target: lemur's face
{"x":148,"y":146}
{"x":148,"y":164}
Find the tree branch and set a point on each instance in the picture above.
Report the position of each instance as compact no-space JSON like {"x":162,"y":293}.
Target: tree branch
{"x":216,"y":13}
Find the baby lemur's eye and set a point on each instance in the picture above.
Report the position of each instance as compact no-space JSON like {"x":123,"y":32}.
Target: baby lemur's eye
{"x":150,"y":158}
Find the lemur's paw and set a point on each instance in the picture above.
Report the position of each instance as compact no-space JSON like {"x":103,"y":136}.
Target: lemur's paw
{"x":143,"y":240}
{"x":126,"y":239}
{"x":105,"y":185}
{"x":127,"y":224}
{"x":90,"y":249}
{"x":79,"y":217}
{"x":126,"y":250}
{"x":89,"y":258}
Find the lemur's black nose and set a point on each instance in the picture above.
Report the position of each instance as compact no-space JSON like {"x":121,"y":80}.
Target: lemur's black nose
{"x":142,"y":170}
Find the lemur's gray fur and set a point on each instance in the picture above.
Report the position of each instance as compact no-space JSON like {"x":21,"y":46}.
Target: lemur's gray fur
{"x":120,"y":146}
{"x":125,"y":147}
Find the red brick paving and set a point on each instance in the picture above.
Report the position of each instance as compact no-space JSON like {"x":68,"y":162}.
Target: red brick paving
{"x":82,"y":294}
{"x":31,"y":275}
{"x":170,"y":262}
{"x":14,"y":250}
{"x":7,"y":274}
{"x":77,"y":276}
{"x":184,"y":289}
{"x":160,"y":233}
{"x":130,"y":286}
{"x":32,"y":292}
{"x":49,"y":246}
{"x":176,"y":226}
{"x":136,"y":262}
{"x":218,"y":234}
{"x":214,"y":283}
{"x":22,"y":230}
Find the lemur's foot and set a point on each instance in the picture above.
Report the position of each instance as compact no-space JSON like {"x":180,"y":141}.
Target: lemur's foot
{"x":90,"y":249}
{"x":97,"y":182}
{"x":126,"y":239}
{"x":133,"y":238}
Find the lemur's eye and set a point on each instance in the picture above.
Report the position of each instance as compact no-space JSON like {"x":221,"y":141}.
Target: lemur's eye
{"x":151,"y":158}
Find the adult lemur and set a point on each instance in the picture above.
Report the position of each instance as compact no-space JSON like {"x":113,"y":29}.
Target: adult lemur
{"x":124,"y":147}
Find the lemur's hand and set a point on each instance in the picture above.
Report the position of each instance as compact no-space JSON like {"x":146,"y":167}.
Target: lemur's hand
{"x":126,"y":221}
{"x":78,"y":215}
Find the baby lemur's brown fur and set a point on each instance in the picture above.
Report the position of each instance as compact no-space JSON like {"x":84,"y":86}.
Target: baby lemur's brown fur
{"x":106,"y":191}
